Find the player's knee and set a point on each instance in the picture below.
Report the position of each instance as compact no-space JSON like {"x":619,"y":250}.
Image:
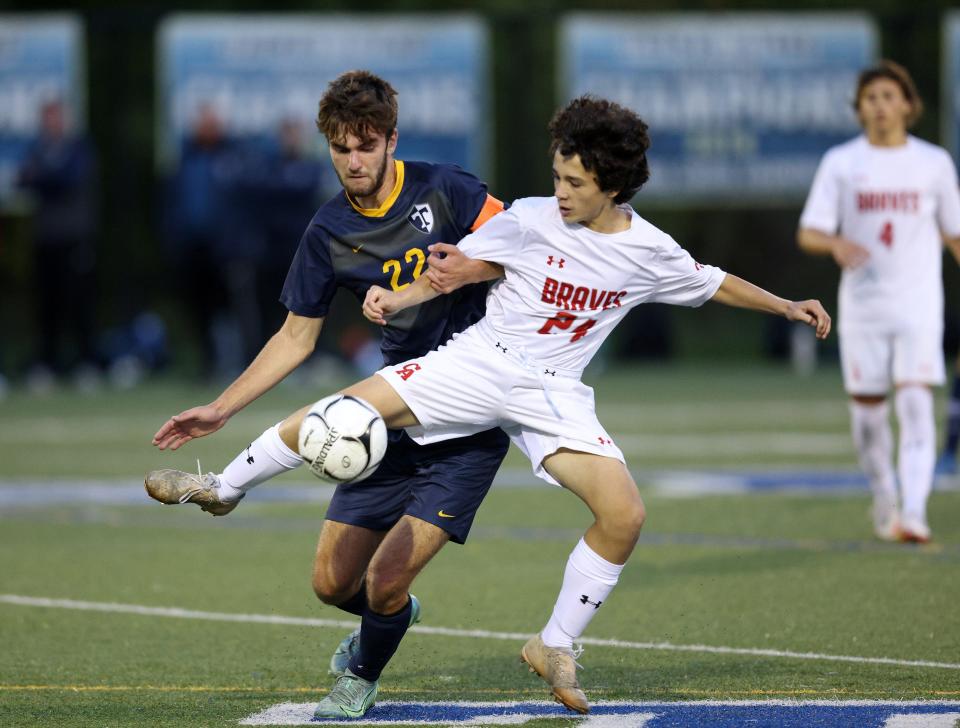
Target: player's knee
{"x":332,"y":591}
{"x":625,"y":521}
{"x":634,"y":517}
{"x":386,"y":591}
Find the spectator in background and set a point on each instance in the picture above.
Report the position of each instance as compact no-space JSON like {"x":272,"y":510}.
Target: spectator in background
{"x":289,"y":194}
{"x":198,"y":226}
{"x":271,"y":192}
{"x":59,"y":173}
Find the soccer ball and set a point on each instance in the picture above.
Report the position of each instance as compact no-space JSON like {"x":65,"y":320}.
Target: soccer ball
{"x":342,"y":439}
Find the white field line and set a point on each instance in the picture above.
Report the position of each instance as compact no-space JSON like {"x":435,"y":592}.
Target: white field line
{"x":924,"y":720}
{"x":613,"y":414}
{"x":177,"y":612}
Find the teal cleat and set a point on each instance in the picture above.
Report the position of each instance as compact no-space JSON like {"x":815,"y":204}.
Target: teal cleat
{"x":351,"y":697}
{"x":351,"y":643}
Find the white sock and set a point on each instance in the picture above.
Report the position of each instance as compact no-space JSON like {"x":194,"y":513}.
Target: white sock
{"x":918,"y":448}
{"x":873,"y":439}
{"x":264,"y":458}
{"x":587,"y":581}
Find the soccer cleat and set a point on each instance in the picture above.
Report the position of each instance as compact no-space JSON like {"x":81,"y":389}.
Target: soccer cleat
{"x":946,"y":464}
{"x":175,"y":486}
{"x":351,"y":643}
{"x":886,"y":520}
{"x":558,"y":667}
{"x":914,"y":529}
{"x":351,"y":697}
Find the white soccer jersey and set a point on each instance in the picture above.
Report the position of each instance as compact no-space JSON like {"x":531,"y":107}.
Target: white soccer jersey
{"x":566,"y":287}
{"x":894,"y":201}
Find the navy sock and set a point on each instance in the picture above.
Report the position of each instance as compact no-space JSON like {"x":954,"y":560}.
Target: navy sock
{"x":357,"y":603}
{"x":380,"y":636}
{"x":953,"y":418}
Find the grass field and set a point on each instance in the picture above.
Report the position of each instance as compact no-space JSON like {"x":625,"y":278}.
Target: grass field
{"x":725,"y":590}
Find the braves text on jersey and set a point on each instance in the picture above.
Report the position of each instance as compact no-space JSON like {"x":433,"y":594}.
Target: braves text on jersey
{"x":565,"y":287}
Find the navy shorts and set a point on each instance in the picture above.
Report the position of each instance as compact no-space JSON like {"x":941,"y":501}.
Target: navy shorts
{"x":443,"y":483}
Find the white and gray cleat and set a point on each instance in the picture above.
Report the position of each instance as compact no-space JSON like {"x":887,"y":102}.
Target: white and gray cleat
{"x":176,"y":486}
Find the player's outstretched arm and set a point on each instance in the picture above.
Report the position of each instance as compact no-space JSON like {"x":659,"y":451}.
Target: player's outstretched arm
{"x":283,"y":353}
{"x":449,"y":269}
{"x":737,"y":292}
{"x":846,"y":253}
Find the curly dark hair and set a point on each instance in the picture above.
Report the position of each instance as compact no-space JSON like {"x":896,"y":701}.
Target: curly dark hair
{"x":610,"y":140}
{"x":898,"y":74}
{"x":359,"y":103}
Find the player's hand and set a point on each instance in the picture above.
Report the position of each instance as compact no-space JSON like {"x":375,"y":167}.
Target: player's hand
{"x":848,"y":254}
{"x":378,"y":304}
{"x":184,"y":427}
{"x":447,"y":269}
{"x":812,"y":313}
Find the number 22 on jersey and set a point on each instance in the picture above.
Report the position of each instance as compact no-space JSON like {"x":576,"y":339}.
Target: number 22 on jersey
{"x":395,"y":267}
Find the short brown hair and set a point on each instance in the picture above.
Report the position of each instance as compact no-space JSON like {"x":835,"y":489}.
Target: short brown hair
{"x":359,"y":103}
{"x":898,"y":74}
{"x":610,"y":140}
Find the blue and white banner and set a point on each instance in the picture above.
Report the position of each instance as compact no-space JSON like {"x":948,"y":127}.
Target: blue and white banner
{"x":256,"y":71}
{"x":41,"y":60}
{"x":950,"y":79}
{"x":740,"y":106}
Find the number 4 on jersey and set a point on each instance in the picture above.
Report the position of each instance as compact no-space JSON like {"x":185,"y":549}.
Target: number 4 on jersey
{"x":563,"y":321}
{"x":886,"y":234}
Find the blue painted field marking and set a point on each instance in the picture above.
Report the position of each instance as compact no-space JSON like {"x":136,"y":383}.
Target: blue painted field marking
{"x":623,"y":714}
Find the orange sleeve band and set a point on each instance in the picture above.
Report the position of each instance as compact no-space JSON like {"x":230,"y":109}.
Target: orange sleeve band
{"x":491,"y":207}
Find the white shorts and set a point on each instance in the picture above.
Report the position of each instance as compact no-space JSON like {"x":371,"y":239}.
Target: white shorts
{"x":473,"y":383}
{"x":873,"y":361}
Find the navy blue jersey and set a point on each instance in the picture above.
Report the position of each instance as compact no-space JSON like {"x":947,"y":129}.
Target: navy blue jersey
{"x":354,"y":248}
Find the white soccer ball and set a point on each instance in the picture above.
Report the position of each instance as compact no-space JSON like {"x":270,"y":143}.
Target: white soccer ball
{"x":342,"y":439}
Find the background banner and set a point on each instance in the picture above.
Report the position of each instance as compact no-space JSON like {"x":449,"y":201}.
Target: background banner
{"x":741,"y":106}
{"x":258,"y":70}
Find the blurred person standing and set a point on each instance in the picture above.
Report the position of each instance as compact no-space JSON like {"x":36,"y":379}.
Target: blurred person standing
{"x":882,"y":205}
{"x":59,"y":172}
{"x":265,"y":191}
{"x":197,"y":220}
{"x":283,"y":188}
